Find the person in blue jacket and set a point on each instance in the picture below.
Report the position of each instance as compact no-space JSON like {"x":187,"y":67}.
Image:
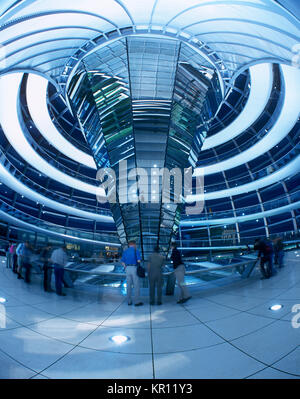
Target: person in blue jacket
{"x":130,"y":259}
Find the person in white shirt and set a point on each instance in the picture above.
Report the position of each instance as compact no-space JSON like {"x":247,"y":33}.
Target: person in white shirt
{"x":59,"y":260}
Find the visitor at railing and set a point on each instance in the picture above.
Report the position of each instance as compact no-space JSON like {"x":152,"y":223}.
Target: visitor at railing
{"x":155,"y":269}
{"x":26,"y":261}
{"x":59,"y":260}
{"x":131,"y":258}
{"x":265,"y":254}
{"x":278,"y":252}
{"x":45,"y":257}
{"x":66,"y":272}
{"x":179,"y":272}
{"x":8,"y":258}
{"x":12,"y":251}
{"x":19,"y":252}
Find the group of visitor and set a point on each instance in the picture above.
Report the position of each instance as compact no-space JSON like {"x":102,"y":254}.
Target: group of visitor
{"x":269,"y":252}
{"x":131,"y":260}
{"x":19,"y":259}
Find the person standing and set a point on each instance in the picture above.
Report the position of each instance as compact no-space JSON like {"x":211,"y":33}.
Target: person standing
{"x":26,"y":261}
{"x":7,"y":254}
{"x":155,"y":266}
{"x":15,"y":261}
{"x":130,"y":259}
{"x":19,"y":252}
{"x":265,"y":254}
{"x":45,"y":257}
{"x":278,"y":252}
{"x":59,"y":260}
{"x":12,"y":249}
{"x":179,"y":272}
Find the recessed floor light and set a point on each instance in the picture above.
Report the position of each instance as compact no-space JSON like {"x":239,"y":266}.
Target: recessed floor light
{"x":276,"y":307}
{"x":2,"y":300}
{"x":119,"y":339}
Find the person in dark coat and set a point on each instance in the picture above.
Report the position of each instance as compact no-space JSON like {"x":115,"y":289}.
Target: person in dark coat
{"x":278,"y":252}
{"x":265,"y":254}
{"x":47,"y":269}
{"x":179,"y":272}
{"x":27,"y":254}
{"x":155,"y":266}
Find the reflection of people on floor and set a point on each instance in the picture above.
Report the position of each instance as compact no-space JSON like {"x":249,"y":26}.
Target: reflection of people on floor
{"x":2,"y":316}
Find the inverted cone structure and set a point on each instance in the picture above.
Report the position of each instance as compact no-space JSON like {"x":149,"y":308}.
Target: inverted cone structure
{"x":143,"y":105}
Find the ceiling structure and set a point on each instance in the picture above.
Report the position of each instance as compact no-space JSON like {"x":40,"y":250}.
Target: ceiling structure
{"x":250,"y":156}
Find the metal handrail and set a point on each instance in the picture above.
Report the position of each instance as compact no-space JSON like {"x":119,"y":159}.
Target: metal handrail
{"x":248,"y":210}
{"x":14,"y":171}
{"x":78,"y":233}
{"x":188,"y":272}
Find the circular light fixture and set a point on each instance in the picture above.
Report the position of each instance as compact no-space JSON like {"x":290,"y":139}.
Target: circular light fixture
{"x":276,"y":307}
{"x":119,"y":339}
{"x":2,"y":300}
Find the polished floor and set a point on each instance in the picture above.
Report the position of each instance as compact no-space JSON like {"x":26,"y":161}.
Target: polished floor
{"x":224,"y":331}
